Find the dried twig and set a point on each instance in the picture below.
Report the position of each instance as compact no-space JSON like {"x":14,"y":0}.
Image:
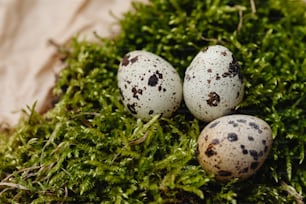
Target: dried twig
{"x":14,"y":185}
{"x":292,"y":192}
{"x":240,"y":20}
{"x":139,"y":140}
{"x":253,"y":7}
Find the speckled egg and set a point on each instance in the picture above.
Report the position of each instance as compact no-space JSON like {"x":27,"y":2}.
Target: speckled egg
{"x":148,"y":85}
{"x":234,"y":146}
{"x":213,"y":83}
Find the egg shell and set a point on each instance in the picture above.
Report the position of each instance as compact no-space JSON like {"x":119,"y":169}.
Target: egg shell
{"x":148,"y":85}
{"x":213,"y":83}
{"x":234,"y":146}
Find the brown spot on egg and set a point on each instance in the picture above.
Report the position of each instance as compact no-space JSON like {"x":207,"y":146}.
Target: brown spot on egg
{"x":255,"y":126}
{"x":218,"y":77}
{"x":151,"y":112}
{"x":224,"y":173}
{"x":224,"y":53}
{"x":134,"y":59}
{"x":254,"y":154}
{"x":160,"y":75}
{"x":214,"y":124}
{"x":233,"y":123}
{"x":214,"y":99}
{"x":135,"y":92}
{"x":250,"y":138}
{"x":210,"y":151}
{"x":187,"y":77}
{"x":241,"y":121}
{"x":244,"y":151}
{"x":209,"y":70}
{"x":125,"y":60}
{"x":132,"y":108}
{"x":215,"y":141}
{"x":153,"y":80}
{"x":232,"y":137}
{"x":233,"y":70}
{"x":217,"y":167}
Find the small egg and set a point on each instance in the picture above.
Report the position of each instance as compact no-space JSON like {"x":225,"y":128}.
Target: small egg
{"x":234,"y":146}
{"x":213,"y":84}
{"x":148,"y":85}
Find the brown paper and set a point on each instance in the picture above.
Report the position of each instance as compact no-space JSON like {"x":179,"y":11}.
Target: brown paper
{"x":28,"y":63}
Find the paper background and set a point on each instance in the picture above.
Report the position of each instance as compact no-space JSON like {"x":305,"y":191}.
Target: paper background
{"x":28,"y":63}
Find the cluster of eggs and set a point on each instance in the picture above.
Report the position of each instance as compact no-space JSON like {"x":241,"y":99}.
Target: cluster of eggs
{"x":230,"y":146}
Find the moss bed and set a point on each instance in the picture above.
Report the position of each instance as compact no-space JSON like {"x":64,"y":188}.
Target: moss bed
{"x":89,"y":149}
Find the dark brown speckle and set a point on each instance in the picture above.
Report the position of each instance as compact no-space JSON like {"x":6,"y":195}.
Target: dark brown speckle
{"x":210,"y":151}
{"x":134,"y":59}
{"x":187,"y":77}
{"x":254,"y":154}
{"x":125,"y":60}
{"x":214,"y":124}
{"x":224,"y":53}
{"x":214,"y":99}
{"x":215,"y":141}
{"x":250,"y":138}
{"x":241,"y":121}
{"x":132,"y":108}
{"x":232,"y":137}
{"x":135,"y":92}
{"x":255,"y":126}
{"x":153,"y":80}
{"x":160,"y":75}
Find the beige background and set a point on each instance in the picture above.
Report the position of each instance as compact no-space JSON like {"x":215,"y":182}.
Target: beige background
{"x":27,"y":61}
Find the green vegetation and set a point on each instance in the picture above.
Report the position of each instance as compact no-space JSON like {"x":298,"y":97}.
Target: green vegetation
{"x":89,"y":149}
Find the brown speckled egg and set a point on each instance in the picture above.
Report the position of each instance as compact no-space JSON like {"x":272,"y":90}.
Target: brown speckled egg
{"x":148,"y":85}
{"x":213,"y":83}
{"x":234,"y":146}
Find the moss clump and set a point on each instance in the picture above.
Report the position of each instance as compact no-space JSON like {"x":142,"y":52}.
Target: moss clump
{"x":89,"y":149}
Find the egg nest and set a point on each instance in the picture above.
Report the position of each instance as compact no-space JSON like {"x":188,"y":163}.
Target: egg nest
{"x":88,"y":148}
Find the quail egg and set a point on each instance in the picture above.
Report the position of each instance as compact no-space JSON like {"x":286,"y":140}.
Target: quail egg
{"x":213,"y":83}
{"x":234,"y":146}
{"x":148,"y":85}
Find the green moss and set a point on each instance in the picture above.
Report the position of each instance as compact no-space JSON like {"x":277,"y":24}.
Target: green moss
{"x":89,"y":149}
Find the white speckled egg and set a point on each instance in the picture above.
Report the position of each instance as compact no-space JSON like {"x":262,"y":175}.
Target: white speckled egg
{"x":213,"y":84}
{"x":234,"y":146}
{"x":148,"y":85}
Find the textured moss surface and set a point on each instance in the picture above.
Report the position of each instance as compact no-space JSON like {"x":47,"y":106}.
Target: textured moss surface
{"x":89,"y":149}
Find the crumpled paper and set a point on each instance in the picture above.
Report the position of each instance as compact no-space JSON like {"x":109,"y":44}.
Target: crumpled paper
{"x":28,"y":62}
